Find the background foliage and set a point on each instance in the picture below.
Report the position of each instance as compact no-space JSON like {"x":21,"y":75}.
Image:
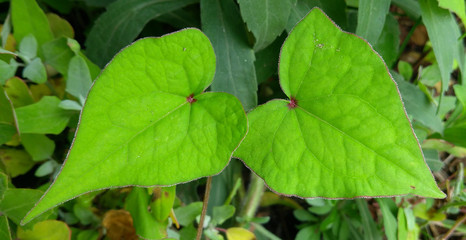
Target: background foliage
{"x":53,"y":49}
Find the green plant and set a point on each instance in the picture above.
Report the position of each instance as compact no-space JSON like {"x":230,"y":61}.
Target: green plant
{"x":147,"y":121}
{"x":332,"y":132}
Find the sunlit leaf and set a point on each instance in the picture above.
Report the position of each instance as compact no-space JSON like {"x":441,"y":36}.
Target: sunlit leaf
{"x":344,"y":132}
{"x":236,"y":233}
{"x":46,"y":230}
{"x":147,"y":121}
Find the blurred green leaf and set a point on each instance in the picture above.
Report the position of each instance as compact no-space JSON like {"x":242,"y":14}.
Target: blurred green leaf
{"x":162,"y":202}
{"x":18,"y":92}
{"x":417,"y":104}
{"x":82,"y":209}
{"x":46,"y":230}
{"x":308,"y":233}
{"x":35,"y":71}
{"x":442,"y":30}
{"x":181,"y":18}
{"x":145,"y":224}
{"x":17,"y":202}
{"x":28,"y":46}
{"x":3,"y":184}
{"x":79,"y":78}
{"x":371,"y":19}
{"x":235,"y":74}
{"x":265,"y":18}
{"x":420,"y":210}
{"x":7,"y":118}
{"x":456,"y":134}
{"x":456,"y":6}
{"x":58,"y":54}
{"x":335,"y":9}
{"x":46,"y":168}
{"x":389,"y":220}
{"x":430,"y":75}
{"x":120,"y":25}
{"x":299,"y":9}
{"x":4,"y":228}
{"x":304,"y":215}
{"x":433,"y":160}
{"x":70,"y":105}
{"x":88,"y":235}
{"x":38,"y":146}
{"x":7,"y":70}
{"x":59,"y":26}
{"x":6,"y":30}
{"x":43,"y":117}
{"x":405,"y":69}
{"x":411,"y":7}
{"x":267,"y":59}
{"x":222,"y":213}
{"x":445,"y":146}
{"x":28,"y":18}
{"x":402,"y":225}
{"x":16,"y":162}
{"x":388,"y":43}
{"x":370,"y":228}
{"x":321,"y":210}
{"x":187,"y":214}
{"x":460,"y":93}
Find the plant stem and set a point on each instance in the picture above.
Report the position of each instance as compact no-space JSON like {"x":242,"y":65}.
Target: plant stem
{"x":204,"y":208}
{"x":253,"y":197}
{"x":452,"y":229}
{"x":406,"y":40}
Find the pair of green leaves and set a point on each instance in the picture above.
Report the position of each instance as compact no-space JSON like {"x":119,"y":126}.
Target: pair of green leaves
{"x":343,"y":134}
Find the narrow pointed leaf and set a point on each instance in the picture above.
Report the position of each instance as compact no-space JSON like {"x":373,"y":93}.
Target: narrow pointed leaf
{"x":121,"y":24}
{"x":265,"y":18}
{"x":442,"y":30}
{"x":221,"y":21}
{"x":79,"y":78}
{"x":146,"y":121}
{"x":344,"y":133}
{"x":371,"y":18}
{"x":4,"y":228}
{"x":27,"y":17}
{"x":7,"y":118}
{"x":456,"y":6}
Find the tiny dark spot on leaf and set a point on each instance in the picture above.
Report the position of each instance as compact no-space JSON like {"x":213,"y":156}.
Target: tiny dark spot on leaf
{"x":413,"y":187}
{"x":191,"y":99}
{"x":166,"y":194}
{"x":293,"y":103}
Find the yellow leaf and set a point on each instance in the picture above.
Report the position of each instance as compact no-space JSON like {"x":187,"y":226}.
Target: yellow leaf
{"x":236,"y":233}
{"x":46,"y":230}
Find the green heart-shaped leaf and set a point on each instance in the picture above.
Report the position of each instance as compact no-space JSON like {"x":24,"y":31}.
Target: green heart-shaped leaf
{"x":344,"y":133}
{"x":147,"y":121}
